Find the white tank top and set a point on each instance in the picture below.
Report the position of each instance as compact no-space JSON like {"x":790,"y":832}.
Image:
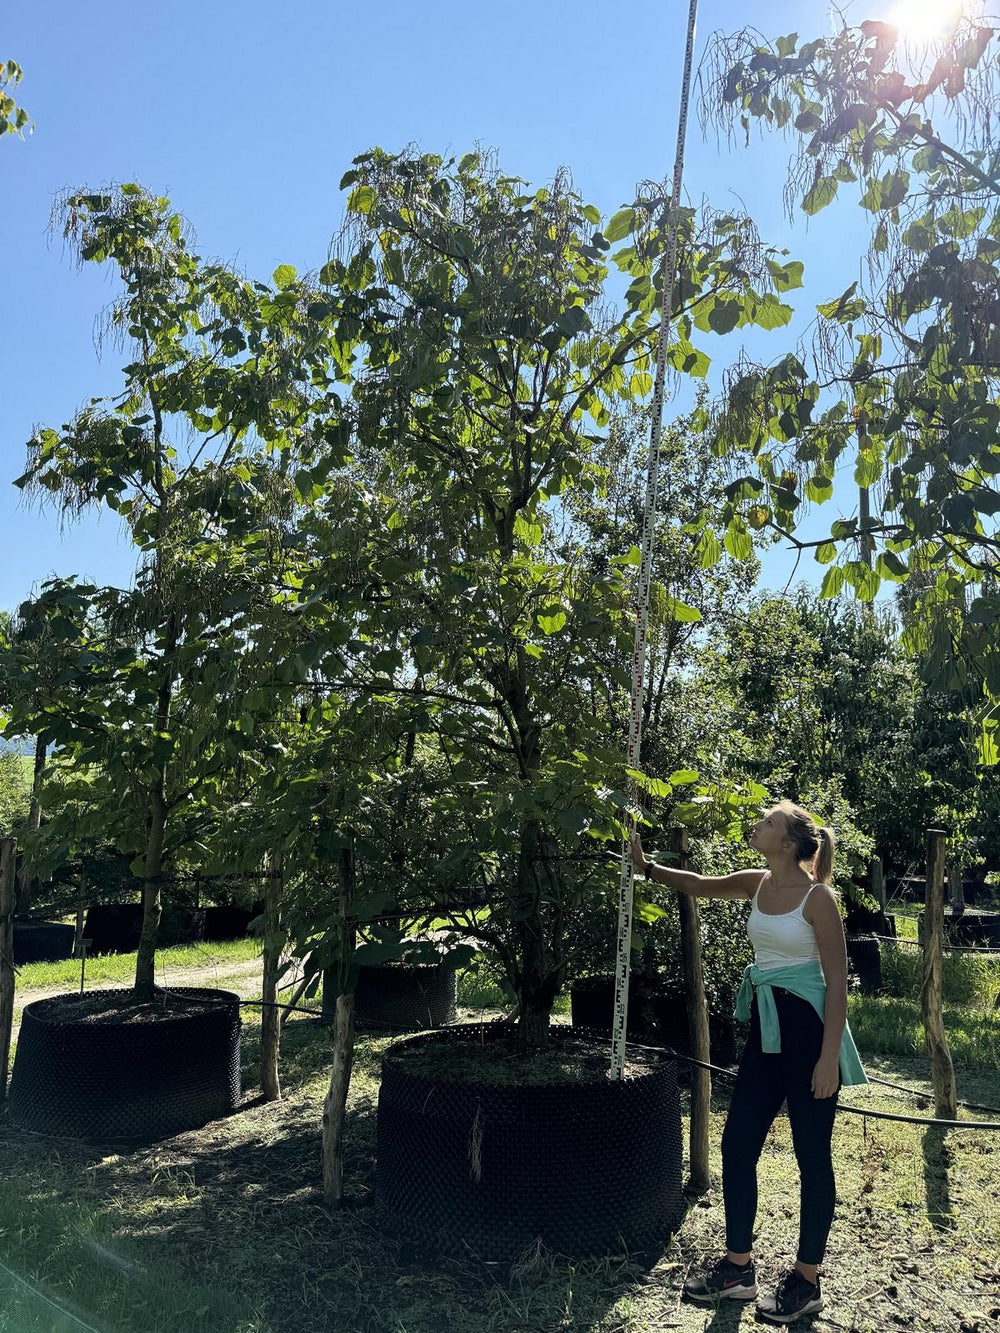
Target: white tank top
{"x":782,"y":939}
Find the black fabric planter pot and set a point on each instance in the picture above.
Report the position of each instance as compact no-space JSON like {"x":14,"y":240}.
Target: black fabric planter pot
{"x":127,"y":1081}
{"x":588,"y":1168}
{"x":400,"y":995}
{"x":865,"y":959}
{"x":861,"y":920}
{"x":42,"y":942}
{"x":978,"y":928}
{"x":229,"y":923}
{"x":116,"y":927}
{"x":974,"y":889}
{"x":657,"y":1016}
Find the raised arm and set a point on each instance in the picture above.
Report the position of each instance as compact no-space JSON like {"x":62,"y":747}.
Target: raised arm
{"x":741,"y":884}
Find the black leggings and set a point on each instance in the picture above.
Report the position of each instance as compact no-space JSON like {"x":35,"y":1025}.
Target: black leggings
{"x":762,"y":1084}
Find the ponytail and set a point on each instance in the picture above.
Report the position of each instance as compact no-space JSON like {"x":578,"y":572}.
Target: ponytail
{"x":823,"y":864}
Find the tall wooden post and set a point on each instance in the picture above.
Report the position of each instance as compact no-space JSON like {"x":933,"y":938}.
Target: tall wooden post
{"x":270,"y":1026}
{"x":8,"y":893}
{"x":697,"y":1012}
{"x":876,"y":878}
{"x":942,"y":1070}
{"x":335,"y":1102}
{"x":81,"y":917}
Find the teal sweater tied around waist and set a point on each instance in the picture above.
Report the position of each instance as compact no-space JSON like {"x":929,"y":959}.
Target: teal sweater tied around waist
{"x":807,"y":981}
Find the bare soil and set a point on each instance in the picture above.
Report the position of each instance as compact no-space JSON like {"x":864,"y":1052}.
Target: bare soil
{"x":119,"y":1008}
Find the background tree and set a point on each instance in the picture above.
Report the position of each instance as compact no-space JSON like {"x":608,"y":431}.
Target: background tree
{"x":195,"y":456}
{"x":907,"y":362}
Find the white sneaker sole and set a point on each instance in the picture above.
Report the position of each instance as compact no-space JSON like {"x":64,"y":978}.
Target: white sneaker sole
{"x":770,"y":1312}
{"x":729,"y":1294}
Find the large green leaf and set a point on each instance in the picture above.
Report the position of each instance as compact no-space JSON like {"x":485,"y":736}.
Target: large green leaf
{"x":833,"y":581}
{"x":551,"y":624}
{"x":620,"y":224}
{"x":822,"y":193}
{"x":361,"y":199}
{"x":679,"y":610}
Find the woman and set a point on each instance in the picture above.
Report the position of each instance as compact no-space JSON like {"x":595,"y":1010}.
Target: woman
{"x":799,"y":1048}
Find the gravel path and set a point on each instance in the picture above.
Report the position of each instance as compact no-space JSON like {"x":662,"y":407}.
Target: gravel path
{"x":244,"y":978}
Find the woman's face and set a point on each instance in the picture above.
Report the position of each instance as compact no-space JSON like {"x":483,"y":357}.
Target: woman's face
{"x":770,"y":833}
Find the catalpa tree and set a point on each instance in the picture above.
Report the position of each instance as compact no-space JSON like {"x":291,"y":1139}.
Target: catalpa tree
{"x":905,"y":370}
{"x":492,"y":363}
{"x":226,"y":426}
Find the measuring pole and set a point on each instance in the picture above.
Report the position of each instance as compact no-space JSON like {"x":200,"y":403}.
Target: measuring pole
{"x":668,"y":273}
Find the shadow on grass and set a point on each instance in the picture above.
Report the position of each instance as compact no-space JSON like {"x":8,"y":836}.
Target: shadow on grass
{"x":235,"y":1211}
{"x":937,"y":1185}
{"x":307,"y":1054}
{"x":729,"y":1315}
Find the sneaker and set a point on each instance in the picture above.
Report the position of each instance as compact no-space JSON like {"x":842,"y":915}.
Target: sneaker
{"x":795,"y":1296}
{"x":724,"y":1281}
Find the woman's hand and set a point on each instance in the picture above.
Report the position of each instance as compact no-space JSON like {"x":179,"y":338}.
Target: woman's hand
{"x":826,"y":1076}
{"x":638,"y":855}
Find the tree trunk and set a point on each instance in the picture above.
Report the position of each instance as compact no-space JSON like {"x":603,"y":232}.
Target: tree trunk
{"x":335,"y":1102}
{"x":8,"y":872}
{"x":152,"y":899}
{"x":697,"y":1012}
{"x":25,"y":886}
{"x":540,"y":967}
{"x":942,"y":1070}
{"x":399,"y":818}
{"x":270,"y":1027}
{"x":152,"y":896}
{"x":539,"y":970}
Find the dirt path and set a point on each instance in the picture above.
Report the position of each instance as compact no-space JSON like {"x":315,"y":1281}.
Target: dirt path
{"x":248,"y":973}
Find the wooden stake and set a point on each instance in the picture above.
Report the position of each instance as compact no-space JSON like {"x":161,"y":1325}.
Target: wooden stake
{"x":81,"y":917}
{"x":270,"y":1026}
{"x":8,"y":881}
{"x":335,"y":1102}
{"x":289,"y":1005}
{"x":942,"y":1070}
{"x":697,"y":1012}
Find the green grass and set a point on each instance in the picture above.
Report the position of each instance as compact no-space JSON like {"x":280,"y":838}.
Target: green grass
{"x":887,"y":1025}
{"x":224,"y":1230}
{"x":906,"y":919}
{"x":66,"y":1270}
{"x":121,"y":966}
{"x":966,"y":979}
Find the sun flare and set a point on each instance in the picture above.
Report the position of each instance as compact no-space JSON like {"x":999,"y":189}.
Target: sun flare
{"x":927,"y":20}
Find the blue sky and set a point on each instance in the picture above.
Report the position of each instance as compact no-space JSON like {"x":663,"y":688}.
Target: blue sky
{"x":248,"y":113}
